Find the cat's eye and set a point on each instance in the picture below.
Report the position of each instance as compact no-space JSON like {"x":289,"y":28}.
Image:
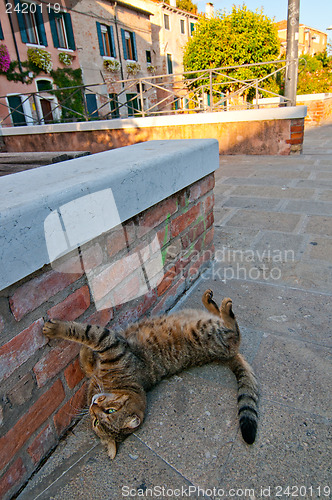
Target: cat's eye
{"x":110,"y":410}
{"x":95,"y":422}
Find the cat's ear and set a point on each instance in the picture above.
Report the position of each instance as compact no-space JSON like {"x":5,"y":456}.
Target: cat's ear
{"x":111,"y":448}
{"x":133,"y":422}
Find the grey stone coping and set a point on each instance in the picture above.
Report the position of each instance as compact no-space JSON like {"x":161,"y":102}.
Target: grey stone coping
{"x":247,"y":115}
{"x":49,"y":211}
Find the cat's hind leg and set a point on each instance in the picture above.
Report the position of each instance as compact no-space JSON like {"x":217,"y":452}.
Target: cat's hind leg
{"x":209,"y":303}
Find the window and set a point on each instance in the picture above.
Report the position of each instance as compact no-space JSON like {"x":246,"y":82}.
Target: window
{"x":148,"y":56}
{"x":129,"y":45}
{"x":133,"y":105}
{"x":62,"y":30}
{"x":166,"y":22}
{"x":16,"y":110}
{"x":114,"y":105}
{"x":192,"y":28}
{"x":106,"y":40}
{"x":92,"y":106}
{"x":1,"y":33}
{"x":169,"y":64}
{"x":31,"y":23}
{"x":182,"y":26}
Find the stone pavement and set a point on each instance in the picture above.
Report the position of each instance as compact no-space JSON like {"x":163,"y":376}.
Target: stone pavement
{"x":273,"y":239}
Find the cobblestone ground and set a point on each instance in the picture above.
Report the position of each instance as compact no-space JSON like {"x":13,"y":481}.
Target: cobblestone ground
{"x":273,"y":238}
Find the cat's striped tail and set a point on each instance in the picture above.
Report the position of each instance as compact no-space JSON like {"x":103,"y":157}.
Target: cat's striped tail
{"x":247,"y":397}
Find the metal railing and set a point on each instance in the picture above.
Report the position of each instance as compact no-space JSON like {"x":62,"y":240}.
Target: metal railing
{"x":216,"y":89}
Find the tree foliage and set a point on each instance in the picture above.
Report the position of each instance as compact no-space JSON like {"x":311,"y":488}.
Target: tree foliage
{"x":315,"y":76}
{"x":236,"y":38}
{"x":186,"y":5}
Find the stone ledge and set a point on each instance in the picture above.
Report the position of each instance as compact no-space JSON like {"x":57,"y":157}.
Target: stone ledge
{"x":247,"y":115}
{"x":107,"y":188}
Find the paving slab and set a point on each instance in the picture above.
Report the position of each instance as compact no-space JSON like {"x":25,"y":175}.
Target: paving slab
{"x":265,"y":207}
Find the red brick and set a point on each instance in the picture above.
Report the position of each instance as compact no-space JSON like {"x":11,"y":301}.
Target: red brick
{"x":43,"y":443}
{"x":13,"y":477}
{"x":57,"y":359}
{"x":208,"y":204}
{"x":155,"y":215}
{"x":70,"y":410}
{"x":297,"y":135}
{"x":137,"y":311}
{"x":171,"y":292}
{"x":127,"y":291}
{"x":18,"y":435}
{"x":297,"y":128}
{"x":295,"y":141}
{"x":114,"y":274}
{"x":167,"y":281}
{"x":73,"y":306}
{"x":73,"y":374}
{"x":37,"y":291}
{"x":102,"y":317}
{"x":209,"y":237}
{"x":92,"y":257}
{"x":201,"y":187}
{"x":18,"y":350}
{"x":183,"y":221}
{"x":209,"y":220}
{"x":22,"y":391}
{"x":116,"y":241}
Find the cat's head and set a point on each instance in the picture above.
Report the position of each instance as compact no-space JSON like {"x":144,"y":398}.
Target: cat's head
{"x":115,"y":415}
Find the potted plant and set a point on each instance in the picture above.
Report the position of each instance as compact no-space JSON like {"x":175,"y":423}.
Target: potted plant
{"x":133,"y":68}
{"x":65,"y":58}
{"x":111,"y":65}
{"x":4,"y":58}
{"x":40,"y":58}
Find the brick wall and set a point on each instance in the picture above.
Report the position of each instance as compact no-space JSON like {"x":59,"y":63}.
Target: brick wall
{"x":319,"y":111}
{"x":43,"y":387}
{"x":263,"y":131}
{"x":296,"y":136}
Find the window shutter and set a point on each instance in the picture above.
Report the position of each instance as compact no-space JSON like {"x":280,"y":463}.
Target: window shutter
{"x":40,"y":25}
{"x":53,"y":29}
{"x":1,"y":33}
{"x":100,"y":39}
{"x":20,"y":20}
{"x":111,"y":33}
{"x":125,"y":55}
{"x":133,"y":39}
{"x":70,"y":32}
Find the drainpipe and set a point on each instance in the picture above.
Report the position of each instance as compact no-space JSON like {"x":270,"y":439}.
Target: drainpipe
{"x":14,"y":38}
{"x":117,"y":38}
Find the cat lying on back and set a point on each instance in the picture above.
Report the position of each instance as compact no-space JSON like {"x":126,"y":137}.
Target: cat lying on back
{"x":123,"y":366}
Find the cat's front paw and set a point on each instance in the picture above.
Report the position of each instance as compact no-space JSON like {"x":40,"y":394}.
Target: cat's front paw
{"x":52,"y":328}
{"x":207,"y":296}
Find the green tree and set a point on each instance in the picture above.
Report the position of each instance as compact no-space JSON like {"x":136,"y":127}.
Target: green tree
{"x":315,"y":74}
{"x":230,"y":39}
{"x":186,"y":5}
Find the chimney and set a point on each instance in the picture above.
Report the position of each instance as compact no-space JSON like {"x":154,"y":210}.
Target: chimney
{"x":209,"y":10}
{"x":172,"y":3}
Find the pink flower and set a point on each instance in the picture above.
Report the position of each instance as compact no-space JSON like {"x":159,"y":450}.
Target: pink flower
{"x":4,"y":59}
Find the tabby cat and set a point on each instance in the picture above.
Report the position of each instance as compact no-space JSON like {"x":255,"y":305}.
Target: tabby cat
{"x":123,"y":366}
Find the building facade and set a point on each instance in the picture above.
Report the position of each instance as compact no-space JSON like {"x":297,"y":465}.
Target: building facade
{"x":311,"y":40}
{"x":110,"y":41}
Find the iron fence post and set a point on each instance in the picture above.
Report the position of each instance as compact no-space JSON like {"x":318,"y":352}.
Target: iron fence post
{"x":141,"y":97}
